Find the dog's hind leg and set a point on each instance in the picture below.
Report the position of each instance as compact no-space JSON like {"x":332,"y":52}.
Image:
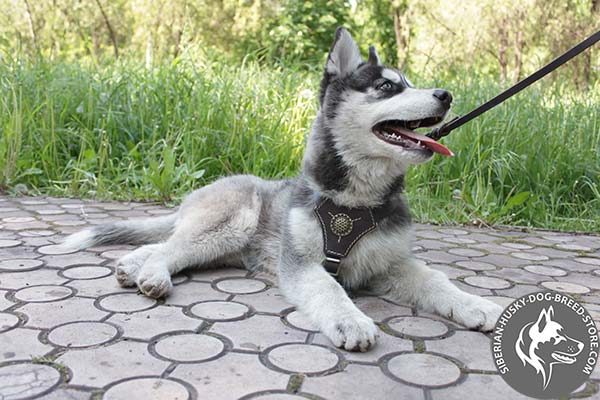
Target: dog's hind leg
{"x":129,"y":266}
{"x":415,"y":283}
{"x":219,"y":224}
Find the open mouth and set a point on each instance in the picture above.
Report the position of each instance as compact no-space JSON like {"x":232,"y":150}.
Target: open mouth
{"x":563,"y":358}
{"x":401,"y":133}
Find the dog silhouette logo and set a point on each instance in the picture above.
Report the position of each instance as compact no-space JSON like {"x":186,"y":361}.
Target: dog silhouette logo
{"x":545,"y":345}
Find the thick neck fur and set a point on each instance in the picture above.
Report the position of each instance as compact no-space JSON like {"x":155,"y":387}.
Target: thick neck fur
{"x":347,"y":177}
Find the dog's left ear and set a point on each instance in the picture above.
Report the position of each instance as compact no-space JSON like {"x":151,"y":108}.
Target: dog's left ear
{"x":373,"y":56}
{"x":544,"y":318}
{"x":344,"y":57}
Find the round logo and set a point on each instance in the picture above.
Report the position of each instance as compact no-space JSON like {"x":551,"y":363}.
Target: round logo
{"x":545,"y":345}
{"x":341,"y":224}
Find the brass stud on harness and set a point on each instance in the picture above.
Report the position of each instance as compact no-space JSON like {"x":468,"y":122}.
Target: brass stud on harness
{"x":341,"y":224}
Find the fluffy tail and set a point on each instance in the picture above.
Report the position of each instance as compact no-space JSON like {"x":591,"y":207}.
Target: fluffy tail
{"x":151,"y":230}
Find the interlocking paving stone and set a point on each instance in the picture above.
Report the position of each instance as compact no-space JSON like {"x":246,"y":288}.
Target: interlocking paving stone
{"x":417,"y":326}
{"x":487,"y":282}
{"x":360,"y":382}
{"x":423,"y":369}
{"x":101,"y":366}
{"x":47,"y":315}
{"x":82,"y":334}
{"x":230,"y":377}
{"x":241,"y":285}
{"x":43,"y":293}
{"x":87,"y":272}
{"x":8,"y":321}
{"x":189,"y":347}
{"x":488,"y":387}
{"x":258,"y":332}
{"x":303,"y":358}
{"x":544,"y":270}
{"x":126,"y":302}
{"x":27,"y":380}
{"x":470,"y":348}
{"x":566,"y":287}
{"x":147,"y":389}
{"x":219,"y":310}
{"x":146,"y":324}
{"x":229,"y":334}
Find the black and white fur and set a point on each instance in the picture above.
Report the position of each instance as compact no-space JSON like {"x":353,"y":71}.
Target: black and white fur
{"x":270,"y":225}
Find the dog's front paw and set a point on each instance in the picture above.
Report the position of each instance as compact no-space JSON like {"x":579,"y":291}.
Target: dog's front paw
{"x":154,"y":284}
{"x":356,"y":333}
{"x":475,"y":312}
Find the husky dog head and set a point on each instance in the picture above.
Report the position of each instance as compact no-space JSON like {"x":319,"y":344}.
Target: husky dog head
{"x":543,"y":343}
{"x":362,"y":140}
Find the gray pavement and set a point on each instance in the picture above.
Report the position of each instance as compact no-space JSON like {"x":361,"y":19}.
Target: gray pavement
{"x":68,"y":331}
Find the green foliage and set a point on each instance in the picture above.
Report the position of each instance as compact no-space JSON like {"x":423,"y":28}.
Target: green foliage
{"x":127,"y":132}
{"x":304,"y":29}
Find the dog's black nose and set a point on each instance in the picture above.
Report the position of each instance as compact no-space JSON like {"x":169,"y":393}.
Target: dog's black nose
{"x":444,"y":96}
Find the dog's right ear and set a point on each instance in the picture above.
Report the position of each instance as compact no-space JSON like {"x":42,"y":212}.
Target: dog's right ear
{"x":344,"y":57}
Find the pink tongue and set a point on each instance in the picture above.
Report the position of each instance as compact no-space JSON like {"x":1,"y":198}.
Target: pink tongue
{"x":425,"y":141}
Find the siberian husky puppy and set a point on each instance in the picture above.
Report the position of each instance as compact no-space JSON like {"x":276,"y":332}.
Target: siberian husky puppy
{"x":360,"y":146}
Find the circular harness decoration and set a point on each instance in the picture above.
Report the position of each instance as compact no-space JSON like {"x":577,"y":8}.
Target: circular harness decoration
{"x":341,"y":224}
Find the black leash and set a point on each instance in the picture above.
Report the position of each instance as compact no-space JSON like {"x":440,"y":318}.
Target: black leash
{"x":445,"y":129}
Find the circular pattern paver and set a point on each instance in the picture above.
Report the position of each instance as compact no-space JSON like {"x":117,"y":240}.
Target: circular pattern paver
{"x":9,"y":243}
{"x":189,"y":347}
{"x":417,"y":326}
{"x":18,"y":220}
{"x":82,"y":334}
{"x":545,"y":270}
{"x":588,"y":260}
{"x":87,"y":272}
{"x":20,"y":264}
{"x":147,"y":389}
{"x":241,"y":285}
{"x":275,"y":396}
{"x":450,"y":231}
{"x":303,"y":358}
{"x":423,"y":369}
{"x":219,"y":310}
{"x":466,"y":252}
{"x":517,"y":246}
{"x":572,"y":246}
{"x":36,"y":233}
{"x":115,"y":254}
{"x":566,"y":287}
{"x":43,"y":293}
{"x":126,"y":302}
{"x":487,"y":282}
{"x":56,"y":249}
{"x":476,"y":265}
{"x":458,"y":240}
{"x":300,"y":321}
{"x":8,"y":321}
{"x":530,"y":256}
{"x":27,"y":380}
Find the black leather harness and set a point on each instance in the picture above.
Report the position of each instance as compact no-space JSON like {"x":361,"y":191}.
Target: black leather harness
{"x":343,"y":227}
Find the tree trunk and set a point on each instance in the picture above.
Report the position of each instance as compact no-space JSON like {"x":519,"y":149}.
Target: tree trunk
{"x":31,"y":26}
{"x":111,"y":32}
{"x":402,"y":32}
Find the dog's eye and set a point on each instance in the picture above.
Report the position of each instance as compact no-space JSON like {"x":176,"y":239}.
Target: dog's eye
{"x":385,"y":86}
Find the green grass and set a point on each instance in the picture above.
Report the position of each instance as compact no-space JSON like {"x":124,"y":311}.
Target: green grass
{"x":127,"y":133}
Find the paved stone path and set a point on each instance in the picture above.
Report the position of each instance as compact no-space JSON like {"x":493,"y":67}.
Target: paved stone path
{"x":68,"y":331}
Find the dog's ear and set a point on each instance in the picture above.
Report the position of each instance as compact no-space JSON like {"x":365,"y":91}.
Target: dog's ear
{"x":544,"y":318}
{"x":344,"y":57}
{"x":373,"y":56}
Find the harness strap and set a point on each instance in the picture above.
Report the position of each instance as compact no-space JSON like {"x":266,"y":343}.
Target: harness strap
{"x":537,"y":75}
{"x":343,"y":227}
